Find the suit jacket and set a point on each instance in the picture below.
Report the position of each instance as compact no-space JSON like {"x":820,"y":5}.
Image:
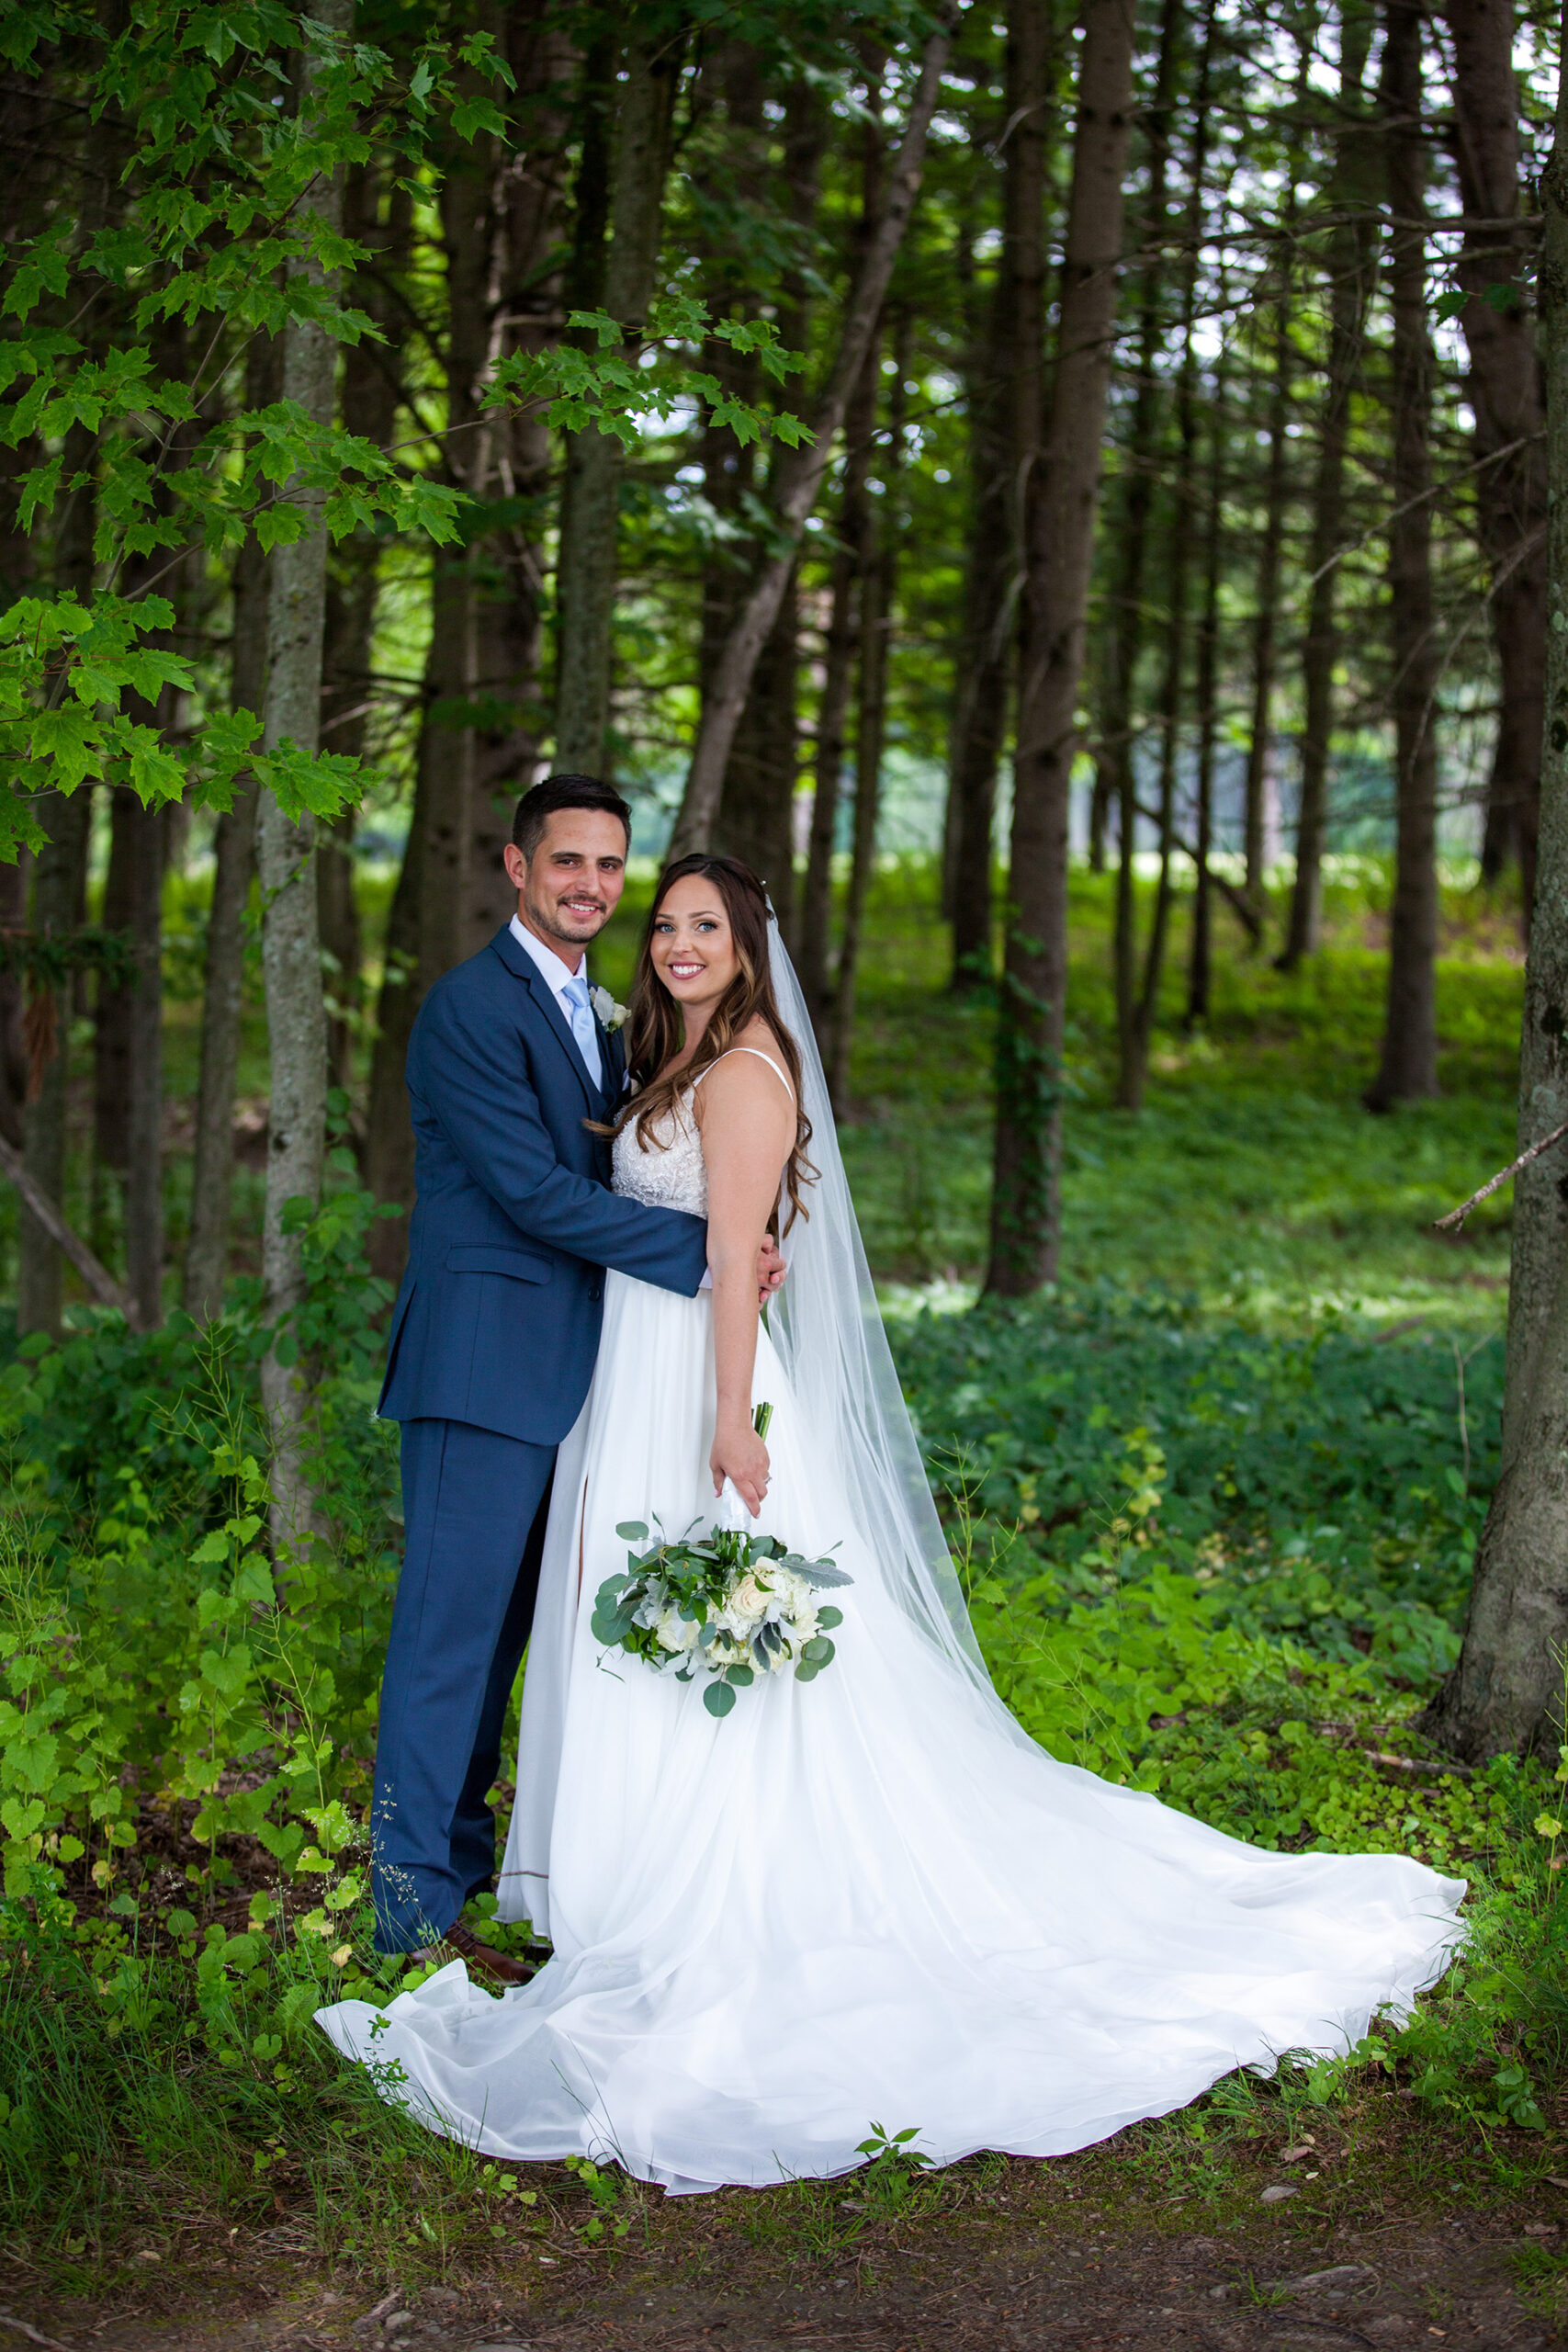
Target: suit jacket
{"x":497,"y":1322}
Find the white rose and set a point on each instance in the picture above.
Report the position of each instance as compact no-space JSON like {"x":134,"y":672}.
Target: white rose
{"x":673,"y":1632}
{"x":749,"y":1602}
{"x":611,"y":1014}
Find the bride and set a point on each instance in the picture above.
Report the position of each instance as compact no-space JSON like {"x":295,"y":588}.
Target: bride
{"x":870,"y":1896}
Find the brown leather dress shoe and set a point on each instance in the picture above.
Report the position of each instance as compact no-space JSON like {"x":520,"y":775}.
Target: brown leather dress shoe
{"x":499,"y":1967}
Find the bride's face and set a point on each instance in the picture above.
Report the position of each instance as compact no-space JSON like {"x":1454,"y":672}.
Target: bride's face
{"x":693,"y":946}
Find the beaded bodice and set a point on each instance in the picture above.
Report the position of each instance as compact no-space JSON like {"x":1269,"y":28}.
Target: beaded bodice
{"x":670,"y":1177}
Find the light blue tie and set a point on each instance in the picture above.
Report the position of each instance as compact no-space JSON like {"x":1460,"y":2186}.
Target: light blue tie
{"x":583,"y":1029}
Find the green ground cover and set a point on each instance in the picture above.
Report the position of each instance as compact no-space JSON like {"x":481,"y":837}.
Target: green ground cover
{"x":1215,"y":1498}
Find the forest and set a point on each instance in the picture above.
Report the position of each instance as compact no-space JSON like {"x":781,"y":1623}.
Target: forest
{"x":1075,"y":494}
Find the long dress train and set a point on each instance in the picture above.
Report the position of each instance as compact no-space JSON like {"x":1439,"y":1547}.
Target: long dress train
{"x":853,"y":1901}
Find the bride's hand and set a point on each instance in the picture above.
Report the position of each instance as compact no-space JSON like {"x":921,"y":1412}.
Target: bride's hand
{"x":739,"y":1456}
{"x":770,"y":1270}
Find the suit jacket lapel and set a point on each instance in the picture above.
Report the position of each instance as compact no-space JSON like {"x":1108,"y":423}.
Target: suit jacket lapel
{"x":517,"y":960}
{"x":611,"y":1063}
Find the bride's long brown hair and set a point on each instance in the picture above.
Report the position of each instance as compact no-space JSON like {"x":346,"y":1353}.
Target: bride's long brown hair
{"x":656,"y":1028}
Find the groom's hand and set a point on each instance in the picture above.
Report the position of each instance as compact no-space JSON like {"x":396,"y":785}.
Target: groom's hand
{"x":770,"y":1270}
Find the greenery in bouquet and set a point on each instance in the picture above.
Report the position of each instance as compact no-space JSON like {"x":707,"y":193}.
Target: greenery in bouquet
{"x":721,"y":1603}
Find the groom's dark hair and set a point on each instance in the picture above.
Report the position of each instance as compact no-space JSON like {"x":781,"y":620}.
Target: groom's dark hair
{"x":539,"y":803}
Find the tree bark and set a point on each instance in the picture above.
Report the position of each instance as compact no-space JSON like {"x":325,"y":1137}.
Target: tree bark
{"x":223,"y":1002}
{"x":1409,"y":1068}
{"x":368,"y":408}
{"x":995,"y":555}
{"x":16,"y":887}
{"x":1137,"y":1032}
{"x":16,"y":575}
{"x":1350,"y":263}
{"x":800,"y":471}
{"x":44,"y":1212}
{"x":291,"y":951}
{"x":1505,"y":392}
{"x":59,"y":887}
{"x":852,"y":559}
{"x":878,"y":587}
{"x":144,"y":1187}
{"x":585,"y":572}
{"x":756,"y":817}
{"x":815,"y":925}
{"x":1121,"y":657}
{"x":112,"y":1034}
{"x":1506,"y":1694}
{"x":1199,"y":965}
{"x":1025,"y":1217}
{"x":513,"y":474}
{"x":1271,"y":544}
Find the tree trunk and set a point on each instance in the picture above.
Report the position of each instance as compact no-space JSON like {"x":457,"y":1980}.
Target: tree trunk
{"x":111,"y":1036}
{"x":1025,"y":1216}
{"x":16,"y":579}
{"x":1505,"y":400}
{"x":1200,"y":959}
{"x":1118,"y":725}
{"x":291,"y":951}
{"x":59,"y":886}
{"x":16,"y":887}
{"x":756,"y":817}
{"x":426,"y":926}
{"x":800,"y":471}
{"x":852,"y":559}
{"x":1409,"y":1068}
{"x":144,"y":1186}
{"x":1272,"y":545}
{"x":1506,"y":1694}
{"x":815,"y":925}
{"x":516,"y":460}
{"x":1136,"y":1033}
{"x":994,"y":557}
{"x":1350,"y":263}
{"x":368,"y":409}
{"x":878,"y":588}
{"x":585,"y":572}
{"x":423,"y":920}
{"x":222,"y":1003}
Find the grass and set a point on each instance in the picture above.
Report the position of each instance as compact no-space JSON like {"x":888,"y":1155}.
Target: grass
{"x":1216,"y":1499}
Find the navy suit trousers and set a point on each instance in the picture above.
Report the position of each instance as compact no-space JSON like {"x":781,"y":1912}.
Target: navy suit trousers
{"x":475,"y":1504}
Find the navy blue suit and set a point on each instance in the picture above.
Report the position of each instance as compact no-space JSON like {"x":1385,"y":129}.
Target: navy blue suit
{"x":493,"y":1338}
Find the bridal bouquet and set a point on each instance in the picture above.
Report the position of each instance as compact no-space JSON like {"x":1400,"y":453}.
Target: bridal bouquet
{"x":720,"y":1603}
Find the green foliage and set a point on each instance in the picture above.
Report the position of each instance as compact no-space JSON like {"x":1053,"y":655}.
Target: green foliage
{"x":147,"y":1663}
{"x":211,"y":237}
{"x":1310,"y":1487}
{"x":894,"y":2165}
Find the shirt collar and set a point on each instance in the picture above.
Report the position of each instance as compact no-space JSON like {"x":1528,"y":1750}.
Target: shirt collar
{"x":557,"y":975}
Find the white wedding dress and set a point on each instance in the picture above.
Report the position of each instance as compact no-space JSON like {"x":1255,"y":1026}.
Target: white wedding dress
{"x":867,"y":1899}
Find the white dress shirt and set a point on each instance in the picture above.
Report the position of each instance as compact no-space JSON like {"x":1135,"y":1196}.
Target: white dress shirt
{"x":557,"y":975}
{"x":558,"y":979}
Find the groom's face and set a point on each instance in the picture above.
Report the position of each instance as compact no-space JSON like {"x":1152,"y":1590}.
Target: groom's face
{"x":572,"y":886}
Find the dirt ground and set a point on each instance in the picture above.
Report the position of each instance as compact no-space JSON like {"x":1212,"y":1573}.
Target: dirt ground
{"x":1015,"y":2269}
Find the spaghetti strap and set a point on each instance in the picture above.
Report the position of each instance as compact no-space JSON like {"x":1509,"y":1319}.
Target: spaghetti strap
{"x":761,"y":1056}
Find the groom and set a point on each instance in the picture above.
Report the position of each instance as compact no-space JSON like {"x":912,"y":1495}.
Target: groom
{"x":494,"y":1340}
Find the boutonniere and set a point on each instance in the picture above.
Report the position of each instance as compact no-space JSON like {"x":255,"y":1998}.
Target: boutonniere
{"x":611,"y":1014}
